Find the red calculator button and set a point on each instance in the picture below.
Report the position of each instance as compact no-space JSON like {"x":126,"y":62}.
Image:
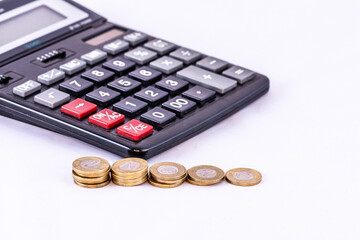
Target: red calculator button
{"x":135,"y":130}
{"x":106,"y":119}
{"x":79,"y":108}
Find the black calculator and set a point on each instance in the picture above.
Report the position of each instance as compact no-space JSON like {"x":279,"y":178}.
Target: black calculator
{"x":67,"y":69}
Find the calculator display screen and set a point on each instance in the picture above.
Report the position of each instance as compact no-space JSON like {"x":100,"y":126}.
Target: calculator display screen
{"x":28,"y":22}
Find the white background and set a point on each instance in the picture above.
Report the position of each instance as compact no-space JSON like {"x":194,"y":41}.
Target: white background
{"x":303,"y":136}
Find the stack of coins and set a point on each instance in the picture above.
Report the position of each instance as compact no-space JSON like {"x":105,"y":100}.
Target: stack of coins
{"x":167,"y":175}
{"x":243,"y":177}
{"x":129,"y":172}
{"x":91,"y":172}
{"x":205,"y":175}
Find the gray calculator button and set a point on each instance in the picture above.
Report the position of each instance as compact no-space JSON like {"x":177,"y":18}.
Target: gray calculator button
{"x":135,"y":38}
{"x":27,"y":88}
{"x":73,"y":66}
{"x":116,"y":47}
{"x":241,"y":74}
{"x":140,"y":55}
{"x":51,"y":77}
{"x":207,"y":79}
{"x":160,"y":46}
{"x":212,"y":64}
{"x":186,"y":55}
{"x":52,"y":98}
{"x":166,"y":65}
{"x":94,"y":56}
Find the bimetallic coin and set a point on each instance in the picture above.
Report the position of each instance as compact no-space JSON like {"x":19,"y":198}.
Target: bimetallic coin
{"x":167,"y":171}
{"x":99,"y":185}
{"x":87,"y":180}
{"x":243,"y":177}
{"x":181,"y":180}
{"x":162,"y":185}
{"x":130,"y":183}
{"x":130,"y":167}
{"x":205,"y":175}
{"x":91,"y":167}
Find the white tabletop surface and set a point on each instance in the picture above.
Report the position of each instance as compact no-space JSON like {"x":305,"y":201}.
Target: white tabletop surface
{"x":303,"y":136}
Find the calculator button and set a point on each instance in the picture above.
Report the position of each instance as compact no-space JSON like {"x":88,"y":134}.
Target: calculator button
{"x":212,"y":64}
{"x":76,"y":86}
{"x":51,"y":77}
{"x":199,"y":94}
{"x":130,"y":106}
{"x":179,"y":105}
{"x":79,"y":108}
{"x":107,"y":119}
{"x":116,"y":47}
{"x":173,"y":85}
{"x":125,"y":85}
{"x":140,"y":55}
{"x":241,"y":74}
{"x":94,"y":56}
{"x":152,"y":95}
{"x":207,"y":79}
{"x":135,"y":130}
{"x":119,"y":65}
{"x":73,"y":66}
{"x":158,"y":117}
{"x":135,"y":38}
{"x":186,"y":55}
{"x":160,"y":46}
{"x":145,"y":75}
{"x":52,"y":98}
{"x":98,"y":75}
{"x":27,"y":88}
{"x":103,"y":96}
{"x":166,"y":65}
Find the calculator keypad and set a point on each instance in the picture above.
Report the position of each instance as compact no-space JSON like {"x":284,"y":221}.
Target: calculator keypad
{"x":155,"y":82}
{"x":166,"y":65}
{"x":51,"y":77}
{"x":79,"y":108}
{"x":140,"y":55}
{"x":52,"y":98}
{"x":27,"y":88}
{"x":98,"y":75}
{"x":73,"y":66}
{"x":103,"y":96}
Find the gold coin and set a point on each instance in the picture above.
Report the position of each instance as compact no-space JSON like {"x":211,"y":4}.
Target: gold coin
{"x":205,"y":175}
{"x":169,"y":182}
{"x":167,"y":171}
{"x":86,"y":180}
{"x":243,"y":177}
{"x":162,"y":185}
{"x":91,"y":167}
{"x":130,"y":183}
{"x":99,"y":185}
{"x":130,"y":168}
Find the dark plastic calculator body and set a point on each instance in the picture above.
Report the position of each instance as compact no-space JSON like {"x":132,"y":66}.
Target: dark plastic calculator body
{"x":119,"y":89}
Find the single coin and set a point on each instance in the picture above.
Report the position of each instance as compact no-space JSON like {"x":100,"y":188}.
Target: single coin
{"x":99,"y":185}
{"x":162,"y":185}
{"x":167,"y":171}
{"x":91,"y":167}
{"x":243,"y":177}
{"x":130,"y":168}
{"x":205,"y":175}
{"x":129,"y":183}
{"x":87,"y":180}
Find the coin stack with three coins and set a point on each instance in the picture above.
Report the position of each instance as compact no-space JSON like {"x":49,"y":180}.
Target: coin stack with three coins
{"x":167,"y":175}
{"x":129,"y":172}
{"x":91,"y":172}
{"x":205,"y":175}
